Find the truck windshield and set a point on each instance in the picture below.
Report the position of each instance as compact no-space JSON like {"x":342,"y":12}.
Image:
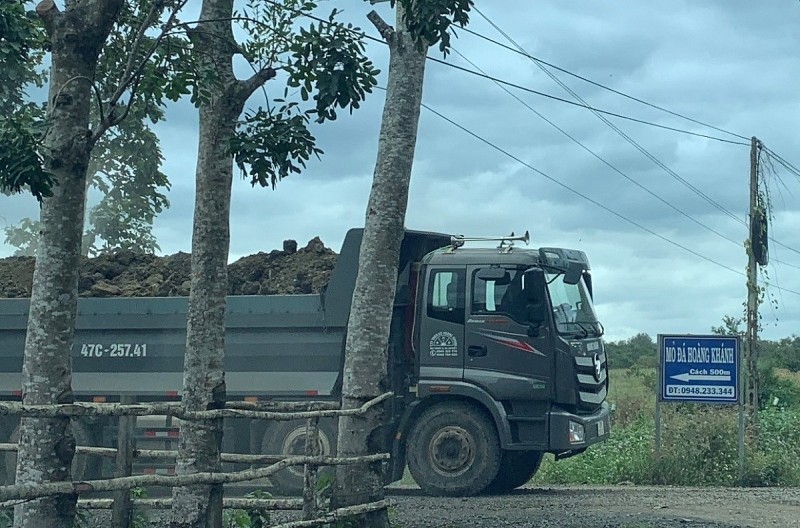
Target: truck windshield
{"x":572,"y":307}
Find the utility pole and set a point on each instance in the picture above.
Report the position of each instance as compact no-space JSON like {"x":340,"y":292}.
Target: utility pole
{"x":751,"y":335}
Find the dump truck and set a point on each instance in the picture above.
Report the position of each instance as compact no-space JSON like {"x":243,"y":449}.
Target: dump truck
{"x":495,"y":358}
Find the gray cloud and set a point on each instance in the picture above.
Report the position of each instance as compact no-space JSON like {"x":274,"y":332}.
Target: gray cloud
{"x":728,"y":62}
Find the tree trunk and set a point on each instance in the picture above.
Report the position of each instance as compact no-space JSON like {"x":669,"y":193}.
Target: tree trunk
{"x":200,"y":506}
{"x":46,"y":445}
{"x":365,"y":369}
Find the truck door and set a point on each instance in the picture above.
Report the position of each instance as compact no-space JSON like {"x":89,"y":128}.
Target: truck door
{"x":503,"y":354}
{"x":441,"y":333}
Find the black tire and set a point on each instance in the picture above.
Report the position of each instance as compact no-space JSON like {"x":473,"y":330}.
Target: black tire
{"x":453,"y":450}
{"x":516,"y":469}
{"x":82,"y":467}
{"x":289,"y":438}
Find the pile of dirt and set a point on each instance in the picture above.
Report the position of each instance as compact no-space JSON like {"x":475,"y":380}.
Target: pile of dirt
{"x":130,"y":274}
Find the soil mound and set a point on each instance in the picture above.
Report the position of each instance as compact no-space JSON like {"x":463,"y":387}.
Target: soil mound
{"x":130,"y":274}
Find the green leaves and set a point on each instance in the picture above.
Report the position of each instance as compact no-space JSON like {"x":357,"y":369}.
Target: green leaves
{"x":430,"y":21}
{"x":328,"y":64}
{"x":22,"y":43}
{"x":21,"y":161}
{"x":271,"y":144}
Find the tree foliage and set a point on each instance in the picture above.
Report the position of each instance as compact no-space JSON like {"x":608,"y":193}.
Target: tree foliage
{"x":125,"y":167}
{"x":430,"y":21}
{"x":323,"y":62}
{"x":22,"y":46}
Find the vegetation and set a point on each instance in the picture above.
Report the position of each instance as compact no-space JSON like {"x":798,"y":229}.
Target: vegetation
{"x":699,"y":441}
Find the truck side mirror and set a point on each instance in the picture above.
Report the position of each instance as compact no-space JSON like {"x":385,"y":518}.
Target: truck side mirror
{"x":574,"y":273}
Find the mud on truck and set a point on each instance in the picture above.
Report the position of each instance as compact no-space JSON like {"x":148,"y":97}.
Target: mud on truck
{"x":495,"y":358}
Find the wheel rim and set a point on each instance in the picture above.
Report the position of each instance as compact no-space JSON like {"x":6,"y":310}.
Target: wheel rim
{"x":452,"y":451}
{"x":295,"y":444}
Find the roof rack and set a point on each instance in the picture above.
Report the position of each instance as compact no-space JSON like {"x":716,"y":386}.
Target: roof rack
{"x":506,"y":242}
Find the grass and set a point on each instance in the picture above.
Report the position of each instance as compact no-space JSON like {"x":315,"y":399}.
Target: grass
{"x":699,"y":441}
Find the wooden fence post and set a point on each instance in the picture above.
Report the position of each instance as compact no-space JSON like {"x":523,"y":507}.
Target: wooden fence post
{"x":310,"y":471}
{"x":122,"y":511}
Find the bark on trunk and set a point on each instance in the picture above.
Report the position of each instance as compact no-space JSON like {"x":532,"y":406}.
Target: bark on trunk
{"x":46,"y":445}
{"x":365,"y":368}
{"x":200,"y":506}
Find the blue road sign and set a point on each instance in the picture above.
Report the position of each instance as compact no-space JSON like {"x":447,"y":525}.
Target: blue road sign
{"x":703,"y":369}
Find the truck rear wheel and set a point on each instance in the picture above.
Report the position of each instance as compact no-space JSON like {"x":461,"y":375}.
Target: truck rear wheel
{"x":289,"y":438}
{"x":516,"y":469}
{"x":82,"y":469}
{"x":453,"y":450}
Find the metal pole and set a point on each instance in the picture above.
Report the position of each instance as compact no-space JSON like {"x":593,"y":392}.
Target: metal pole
{"x":659,"y":374}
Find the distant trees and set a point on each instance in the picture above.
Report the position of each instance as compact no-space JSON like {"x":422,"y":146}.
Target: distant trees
{"x":642,"y":350}
{"x":639,"y":350}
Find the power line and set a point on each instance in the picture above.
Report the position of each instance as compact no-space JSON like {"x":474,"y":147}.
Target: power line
{"x":618,"y":171}
{"x":600,"y":158}
{"x":616,"y":129}
{"x":589,"y":199}
{"x":596,"y":111}
{"x":600,"y":85}
{"x":583,"y":104}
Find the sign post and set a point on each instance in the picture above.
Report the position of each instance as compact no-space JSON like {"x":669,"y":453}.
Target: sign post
{"x":700,"y":369}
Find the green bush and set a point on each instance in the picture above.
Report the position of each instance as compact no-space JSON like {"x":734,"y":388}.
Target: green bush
{"x":699,"y":448}
{"x":623,"y":458}
{"x":774,"y":391}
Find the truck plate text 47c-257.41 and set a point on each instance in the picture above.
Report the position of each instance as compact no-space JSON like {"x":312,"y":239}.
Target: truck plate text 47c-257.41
{"x":97,"y":350}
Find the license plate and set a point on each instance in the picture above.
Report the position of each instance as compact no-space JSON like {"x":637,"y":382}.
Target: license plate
{"x":601,"y":428}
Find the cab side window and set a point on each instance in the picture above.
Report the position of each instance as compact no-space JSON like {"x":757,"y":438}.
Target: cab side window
{"x":499,"y":296}
{"x":446,"y":295}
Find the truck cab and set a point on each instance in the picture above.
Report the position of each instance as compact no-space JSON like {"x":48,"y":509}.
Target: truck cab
{"x":510,"y":365}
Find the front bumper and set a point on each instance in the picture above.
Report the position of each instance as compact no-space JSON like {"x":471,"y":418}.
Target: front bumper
{"x":596,"y":428}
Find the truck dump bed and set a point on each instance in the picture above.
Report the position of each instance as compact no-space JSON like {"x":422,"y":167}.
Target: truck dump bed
{"x":277,"y":345}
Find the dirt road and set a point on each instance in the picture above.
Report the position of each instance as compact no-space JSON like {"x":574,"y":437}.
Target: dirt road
{"x":607,"y":506}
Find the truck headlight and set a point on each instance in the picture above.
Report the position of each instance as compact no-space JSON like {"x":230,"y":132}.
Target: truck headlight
{"x":576,"y":433}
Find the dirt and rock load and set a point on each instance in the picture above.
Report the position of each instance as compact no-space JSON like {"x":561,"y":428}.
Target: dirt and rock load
{"x":130,"y":274}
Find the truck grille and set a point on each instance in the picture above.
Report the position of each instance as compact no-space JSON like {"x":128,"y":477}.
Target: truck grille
{"x":591,"y":387}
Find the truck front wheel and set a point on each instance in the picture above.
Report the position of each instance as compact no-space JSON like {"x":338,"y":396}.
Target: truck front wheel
{"x":453,"y":450}
{"x":516,"y":469}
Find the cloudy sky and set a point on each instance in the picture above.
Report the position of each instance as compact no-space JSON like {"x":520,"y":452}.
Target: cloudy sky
{"x":665,"y":259}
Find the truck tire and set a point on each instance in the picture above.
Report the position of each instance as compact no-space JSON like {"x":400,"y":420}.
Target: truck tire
{"x":82,"y":468}
{"x":453,"y":450}
{"x":516,"y":469}
{"x":289,"y":438}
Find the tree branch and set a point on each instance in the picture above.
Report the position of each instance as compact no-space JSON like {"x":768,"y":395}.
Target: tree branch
{"x":247,"y":87}
{"x":132,"y":75}
{"x":148,"y":21}
{"x":386,"y":31}
{"x":48,"y":12}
